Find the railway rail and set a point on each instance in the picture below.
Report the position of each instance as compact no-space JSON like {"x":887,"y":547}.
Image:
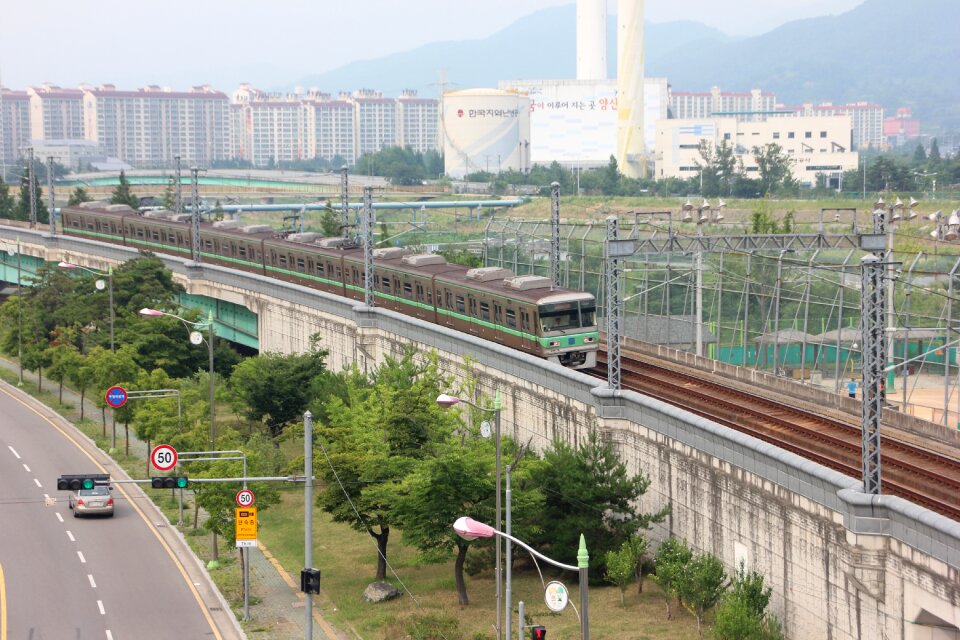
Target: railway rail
{"x":922,"y":476}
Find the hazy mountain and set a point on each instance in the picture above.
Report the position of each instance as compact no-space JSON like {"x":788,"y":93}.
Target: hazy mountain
{"x":888,"y":51}
{"x":539,"y":46}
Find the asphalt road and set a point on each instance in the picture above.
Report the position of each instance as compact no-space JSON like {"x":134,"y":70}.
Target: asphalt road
{"x":76,"y":578}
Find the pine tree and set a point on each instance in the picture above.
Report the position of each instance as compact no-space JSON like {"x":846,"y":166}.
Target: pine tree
{"x":123,"y":195}
{"x":934,"y":155}
{"x":79,"y":195}
{"x":22,"y":209}
{"x":6,"y":200}
{"x":169,"y":200}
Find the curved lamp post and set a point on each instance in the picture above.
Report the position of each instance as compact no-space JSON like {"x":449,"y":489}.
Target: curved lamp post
{"x":154,"y":313}
{"x":447,"y":401}
{"x":469,"y":529}
{"x":108,"y":274}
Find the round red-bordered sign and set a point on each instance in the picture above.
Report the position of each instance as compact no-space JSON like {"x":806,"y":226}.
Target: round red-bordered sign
{"x":116,"y":397}
{"x":245,"y":498}
{"x":163,"y":457}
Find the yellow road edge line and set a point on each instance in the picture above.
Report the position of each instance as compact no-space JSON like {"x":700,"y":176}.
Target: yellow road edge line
{"x":143,"y":516}
{"x":3,"y":606}
{"x":327,"y":629}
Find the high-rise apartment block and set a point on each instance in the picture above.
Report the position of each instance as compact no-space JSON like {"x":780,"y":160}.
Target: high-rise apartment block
{"x":56,"y":113}
{"x":329,"y":128}
{"x":376,"y":121}
{"x":745,"y":107}
{"x":419,"y":118}
{"x":866,"y":118}
{"x":150,"y":126}
{"x":14,"y":124}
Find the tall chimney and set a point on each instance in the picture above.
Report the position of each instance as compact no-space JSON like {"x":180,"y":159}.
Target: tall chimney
{"x":591,"y":39}
{"x":631,"y":152}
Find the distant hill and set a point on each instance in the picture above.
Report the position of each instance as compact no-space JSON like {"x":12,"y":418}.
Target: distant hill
{"x":893,"y":52}
{"x":888,"y":51}
{"x":539,"y":46}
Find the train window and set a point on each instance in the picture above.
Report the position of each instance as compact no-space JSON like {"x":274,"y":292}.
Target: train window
{"x":242,"y":251}
{"x":180,"y":240}
{"x":90,"y":224}
{"x":75,"y":224}
{"x":386,"y":284}
{"x":408,"y":290}
{"x":233,"y":248}
{"x":208,"y":245}
{"x":497,"y":313}
{"x":319,"y":268}
{"x":155,"y":234}
{"x":524,"y":320}
{"x":473,"y":305}
{"x":460,"y":306}
{"x":139,"y":232}
{"x":448,"y":299}
{"x":282,"y":260}
{"x":588,"y":314}
{"x":420,"y":296}
{"x":430,"y":297}
{"x":339,"y":274}
{"x":309,"y":265}
{"x":356,"y":275}
{"x":113,"y":227}
{"x":300,"y":264}
{"x":484,"y":311}
{"x":511,"y":318}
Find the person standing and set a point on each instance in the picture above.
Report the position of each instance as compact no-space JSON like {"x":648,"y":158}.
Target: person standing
{"x":852,"y":388}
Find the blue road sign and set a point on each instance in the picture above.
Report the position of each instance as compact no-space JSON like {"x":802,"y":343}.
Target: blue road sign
{"x":116,"y":397}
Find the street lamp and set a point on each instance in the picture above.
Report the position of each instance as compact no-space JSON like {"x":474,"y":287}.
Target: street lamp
{"x":100,"y":286}
{"x":195,"y":338}
{"x":10,"y":251}
{"x":447,"y":401}
{"x":470,"y":529}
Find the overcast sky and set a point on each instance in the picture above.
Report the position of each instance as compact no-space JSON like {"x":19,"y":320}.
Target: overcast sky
{"x":137,"y":42}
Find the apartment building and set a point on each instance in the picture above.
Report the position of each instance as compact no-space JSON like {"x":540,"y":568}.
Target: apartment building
{"x":14,"y":124}
{"x":56,"y":113}
{"x":744,"y":106}
{"x":149,"y":127}
{"x":269,"y":127}
{"x":419,"y":118}
{"x":815,"y":144}
{"x":375,"y":121}
{"x":329,"y":127}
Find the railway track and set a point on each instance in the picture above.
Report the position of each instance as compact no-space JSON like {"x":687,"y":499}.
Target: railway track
{"x":922,"y":476}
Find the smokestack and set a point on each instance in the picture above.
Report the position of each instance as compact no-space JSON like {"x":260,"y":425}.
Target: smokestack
{"x":591,"y":39}
{"x":631,"y":154}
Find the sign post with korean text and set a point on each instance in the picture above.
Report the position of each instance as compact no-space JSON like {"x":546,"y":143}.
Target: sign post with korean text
{"x":246,"y":526}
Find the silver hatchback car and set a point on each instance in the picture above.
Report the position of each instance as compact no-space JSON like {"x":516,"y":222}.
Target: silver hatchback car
{"x":96,"y":501}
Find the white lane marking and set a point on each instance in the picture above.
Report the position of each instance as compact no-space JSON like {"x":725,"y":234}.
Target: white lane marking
{"x":70,"y":535}
{"x":46,"y":496}
{"x":26,"y":467}
{"x":59,"y":517}
{"x":14,"y":451}
{"x":92,"y":583}
{"x":38,"y":483}
{"x":109,"y":635}
{"x":82,"y":559}
{"x":100,"y":605}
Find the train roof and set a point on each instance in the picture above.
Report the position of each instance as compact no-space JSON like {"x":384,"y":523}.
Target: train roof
{"x":498,"y":281}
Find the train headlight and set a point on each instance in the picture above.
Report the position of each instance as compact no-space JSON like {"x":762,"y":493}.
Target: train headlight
{"x":588,"y":339}
{"x":554,"y":343}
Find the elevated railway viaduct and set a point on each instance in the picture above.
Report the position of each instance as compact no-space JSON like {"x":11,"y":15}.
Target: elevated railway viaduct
{"x":842,"y":564}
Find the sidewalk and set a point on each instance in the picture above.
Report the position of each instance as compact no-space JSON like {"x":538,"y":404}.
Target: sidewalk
{"x":279,"y":610}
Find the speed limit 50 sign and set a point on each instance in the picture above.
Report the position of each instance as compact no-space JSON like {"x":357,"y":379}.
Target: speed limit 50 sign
{"x":244,"y":498}
{"x":163,"y":457}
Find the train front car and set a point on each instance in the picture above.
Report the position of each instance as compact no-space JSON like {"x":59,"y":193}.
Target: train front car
{"x":568,"y":331}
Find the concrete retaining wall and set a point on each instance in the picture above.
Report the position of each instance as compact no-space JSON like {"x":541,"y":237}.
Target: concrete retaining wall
{"x":843,"y":565}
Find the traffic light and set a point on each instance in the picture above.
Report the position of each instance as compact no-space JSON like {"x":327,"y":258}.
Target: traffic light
{"x":75,"y":482}
{"x":310,"y":580}
{"x":169,"y":482}
{"x":538,"y":632}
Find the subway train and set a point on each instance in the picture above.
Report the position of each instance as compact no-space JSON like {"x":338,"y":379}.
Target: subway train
{"x":522,"y":312}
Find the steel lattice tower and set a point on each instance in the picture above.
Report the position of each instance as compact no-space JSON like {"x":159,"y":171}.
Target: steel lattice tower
{"x":614,"y":308}
{"x":555,"y":233}
{"x":367,"y":224}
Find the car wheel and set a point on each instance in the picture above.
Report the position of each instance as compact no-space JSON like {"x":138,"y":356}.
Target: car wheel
{"x":76,"y":514}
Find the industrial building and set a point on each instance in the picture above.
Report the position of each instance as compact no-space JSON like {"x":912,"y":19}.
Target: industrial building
{"x":815,"y":144}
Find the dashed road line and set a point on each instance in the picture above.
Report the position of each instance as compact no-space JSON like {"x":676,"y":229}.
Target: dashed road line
{"x":59,"y":517}
{"x":82,"y":559}
{"x":109,"y":635}
{"x":70,"y":535}
{"x":26,"y":467}
{"x":14,"y":451}
{"x":37,"y":482}
{"x":93,"y":585}
{"x":100,"y":606}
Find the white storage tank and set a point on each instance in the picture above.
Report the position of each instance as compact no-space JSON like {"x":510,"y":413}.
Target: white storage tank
{"x":485,"y":130}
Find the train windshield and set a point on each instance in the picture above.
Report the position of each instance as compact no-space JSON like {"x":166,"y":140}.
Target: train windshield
{"x":568,"y":315}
